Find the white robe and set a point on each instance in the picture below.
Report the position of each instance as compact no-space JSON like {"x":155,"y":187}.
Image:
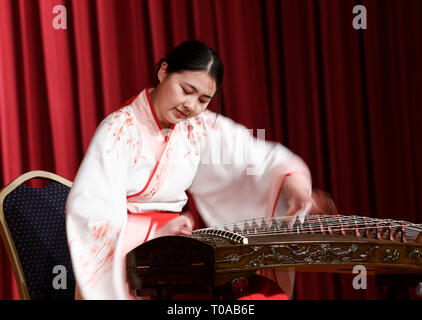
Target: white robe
{"x":132,"y":165}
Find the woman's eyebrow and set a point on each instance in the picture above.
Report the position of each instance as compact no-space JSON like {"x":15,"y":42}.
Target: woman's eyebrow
{"x":196,"y":90}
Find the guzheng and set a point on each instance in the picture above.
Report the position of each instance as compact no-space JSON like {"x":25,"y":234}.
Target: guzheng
{"x":214,"y":257}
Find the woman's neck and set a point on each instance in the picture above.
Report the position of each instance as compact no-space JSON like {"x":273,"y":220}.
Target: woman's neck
{"x":153,"y":96}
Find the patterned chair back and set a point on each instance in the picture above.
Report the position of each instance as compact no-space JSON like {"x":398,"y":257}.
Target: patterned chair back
{"x":37,"y":224}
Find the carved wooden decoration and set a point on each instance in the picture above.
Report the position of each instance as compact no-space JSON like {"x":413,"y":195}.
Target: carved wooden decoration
{"x":213,"y":257}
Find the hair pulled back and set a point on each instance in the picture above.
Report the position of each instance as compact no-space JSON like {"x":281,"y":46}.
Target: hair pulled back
{"x":194,"y":56}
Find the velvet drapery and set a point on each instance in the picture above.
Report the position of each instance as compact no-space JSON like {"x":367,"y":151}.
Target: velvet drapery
{"x":347,"y":101}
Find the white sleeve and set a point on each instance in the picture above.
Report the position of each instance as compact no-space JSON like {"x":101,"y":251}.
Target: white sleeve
{"x":240,"y":176}
{"x":96,"y":211}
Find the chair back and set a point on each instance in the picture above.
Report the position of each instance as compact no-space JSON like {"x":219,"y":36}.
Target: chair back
{"x":33,"y":229}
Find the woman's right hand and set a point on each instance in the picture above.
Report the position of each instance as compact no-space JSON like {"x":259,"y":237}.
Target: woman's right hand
{"x":322,"y":203}
{"x":180,"y":226}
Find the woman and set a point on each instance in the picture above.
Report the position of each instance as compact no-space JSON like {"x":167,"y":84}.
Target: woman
{"x":132,"y":183}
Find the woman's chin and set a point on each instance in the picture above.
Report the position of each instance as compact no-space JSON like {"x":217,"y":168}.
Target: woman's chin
{"x":174,"y":119}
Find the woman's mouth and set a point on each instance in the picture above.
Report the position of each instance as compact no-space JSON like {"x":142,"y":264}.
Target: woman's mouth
{"x":179,"y":114}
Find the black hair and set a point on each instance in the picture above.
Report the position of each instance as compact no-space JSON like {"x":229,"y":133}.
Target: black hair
{"x":194,"y":56}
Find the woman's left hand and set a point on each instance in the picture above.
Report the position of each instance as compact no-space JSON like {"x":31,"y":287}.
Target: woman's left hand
{"x":182,"y":225}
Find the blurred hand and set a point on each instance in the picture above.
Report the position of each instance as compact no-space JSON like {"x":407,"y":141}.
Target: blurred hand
{"x":298,"y":196}
{"x":182,"y":225}
{"x":322,"y":203}
{"x":301,"y":202}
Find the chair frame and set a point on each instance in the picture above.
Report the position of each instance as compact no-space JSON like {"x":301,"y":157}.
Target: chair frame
{"x":5,"y":233}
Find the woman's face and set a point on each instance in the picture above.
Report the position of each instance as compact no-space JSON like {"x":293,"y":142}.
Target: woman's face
{"x":181,"y":95}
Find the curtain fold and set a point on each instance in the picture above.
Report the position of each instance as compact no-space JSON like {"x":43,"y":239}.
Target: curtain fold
{"x":347,"y":101}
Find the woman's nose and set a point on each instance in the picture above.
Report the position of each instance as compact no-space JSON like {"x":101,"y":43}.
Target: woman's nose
{"x":188,"y":106}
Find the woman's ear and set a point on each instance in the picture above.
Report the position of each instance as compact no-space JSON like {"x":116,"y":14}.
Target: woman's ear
{"x":162,"y":72}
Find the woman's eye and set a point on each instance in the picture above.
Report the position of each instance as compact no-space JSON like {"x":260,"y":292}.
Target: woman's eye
{"x":187,"y":91}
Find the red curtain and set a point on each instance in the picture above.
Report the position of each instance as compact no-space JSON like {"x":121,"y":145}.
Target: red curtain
{"x":347,"y":101}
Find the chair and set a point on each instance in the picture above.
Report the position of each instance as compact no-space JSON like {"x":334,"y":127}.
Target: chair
{"x":33,"y":230}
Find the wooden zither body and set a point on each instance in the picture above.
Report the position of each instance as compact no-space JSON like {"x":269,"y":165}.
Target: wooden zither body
{"x":213,"y":258}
